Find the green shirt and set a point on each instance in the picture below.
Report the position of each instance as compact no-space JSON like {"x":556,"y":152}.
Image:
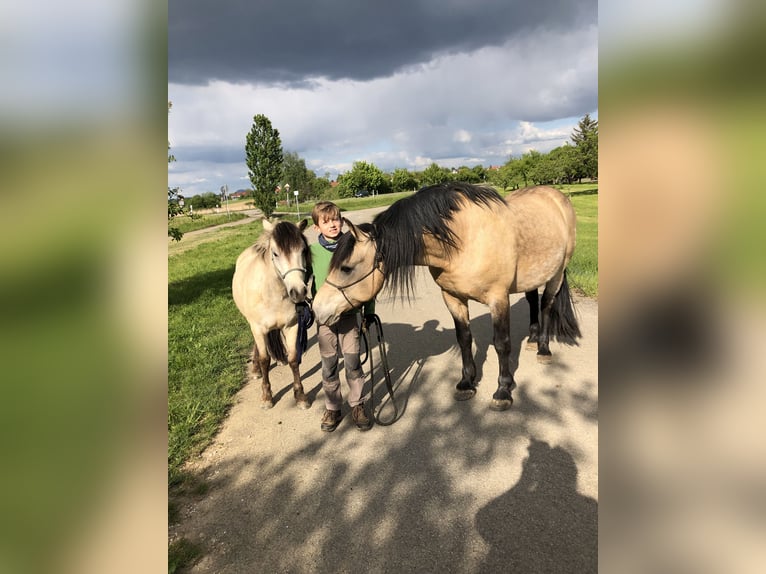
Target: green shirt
{"x":320,"y":265}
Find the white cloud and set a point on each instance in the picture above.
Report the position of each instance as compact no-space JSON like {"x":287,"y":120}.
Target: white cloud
{"x":476,"y":107}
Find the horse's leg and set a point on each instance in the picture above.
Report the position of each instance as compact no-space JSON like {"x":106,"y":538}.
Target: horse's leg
{"x":291,"y":338}
{"x":458,"y":308}
{"x":544,"y":354}
{"x":534,"y":319}
{"x":500,"y":311}
{"x":262,"y":361}
{"x":255,"y":365}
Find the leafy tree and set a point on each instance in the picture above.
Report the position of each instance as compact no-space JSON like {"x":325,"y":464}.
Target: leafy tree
{"x":321,"y":186}
{"x":300,"y":178}
{"x":543,"y":170}
{"x":205,"y":200}
{"x":480,"y":171}
{"x":434,"y":174}
{"x":468,"y":175}
{"x":263,"y":151}
{"x":174,"y":197}
{"x":585,"y":138}
{"x":403,"y":180}
{"x":566,"y":159}
{"x":363,"y":175}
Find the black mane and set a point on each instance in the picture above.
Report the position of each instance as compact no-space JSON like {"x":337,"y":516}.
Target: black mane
{"x":398,"y":231}
{"x":288,"y":237}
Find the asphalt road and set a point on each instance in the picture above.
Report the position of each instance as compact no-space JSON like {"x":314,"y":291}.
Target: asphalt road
{"x":450,"y":487}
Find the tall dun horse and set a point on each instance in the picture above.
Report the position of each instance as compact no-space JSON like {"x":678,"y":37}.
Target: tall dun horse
{"x":269,"y":281}
{"x":477,"y":246}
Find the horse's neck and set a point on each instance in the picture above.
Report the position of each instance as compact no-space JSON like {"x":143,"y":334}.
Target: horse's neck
{"x":435,"y":255}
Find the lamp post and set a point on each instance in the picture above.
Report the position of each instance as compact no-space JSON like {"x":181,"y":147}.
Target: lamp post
{"x":287,"y":193}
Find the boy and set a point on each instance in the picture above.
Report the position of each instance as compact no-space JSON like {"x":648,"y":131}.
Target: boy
{"x":343,"y":336}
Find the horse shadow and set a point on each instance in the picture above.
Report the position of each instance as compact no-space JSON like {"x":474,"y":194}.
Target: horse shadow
{"x":408,"y":348}
{"x":542,"y":524}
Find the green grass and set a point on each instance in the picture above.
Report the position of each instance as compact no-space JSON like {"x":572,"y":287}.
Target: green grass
{"x":350,"y":204}
{"x":185,"y":223}
{"x":582,"y":272}
{"x":208,"y":341}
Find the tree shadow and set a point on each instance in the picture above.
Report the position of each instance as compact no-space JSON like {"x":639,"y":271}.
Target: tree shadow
{"x":593,"y":191}
{"x":212,"y":284}
{"x":547,"y":526}
{"x":405,"y":498}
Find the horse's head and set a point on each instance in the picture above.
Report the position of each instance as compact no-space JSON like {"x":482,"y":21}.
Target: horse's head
{"x":355,"y":275}
{"x":290,"y":256}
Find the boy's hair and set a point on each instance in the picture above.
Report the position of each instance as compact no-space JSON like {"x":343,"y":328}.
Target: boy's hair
{"x":325,"y":210}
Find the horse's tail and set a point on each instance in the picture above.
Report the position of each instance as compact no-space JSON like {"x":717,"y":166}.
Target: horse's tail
{"x":563,"y":320}
{"x":276,"y":346}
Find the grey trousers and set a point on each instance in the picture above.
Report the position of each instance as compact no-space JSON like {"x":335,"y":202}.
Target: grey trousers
{"x":341,"y":339}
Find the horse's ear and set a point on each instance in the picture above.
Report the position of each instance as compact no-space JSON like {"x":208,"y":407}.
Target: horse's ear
{"x":355,"y":231}
{"x":267,"y":225}
{"x":302,"y":225}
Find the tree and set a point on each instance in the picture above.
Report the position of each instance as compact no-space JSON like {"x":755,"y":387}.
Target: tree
{"x":434,"y":174}
{"x":566,"y":159}
{"x":205,"y":200}
{"x":363,"y":175}
{"x":263,"y":153}
{"x":469,"y":175}
{"x":585,"y":138}
{"x":174,"y":197}
{"x":295,"y":172}
{"x":403,"y":180}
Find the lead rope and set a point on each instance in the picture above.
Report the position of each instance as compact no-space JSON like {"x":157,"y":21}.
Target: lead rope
{"x":386,"y":373}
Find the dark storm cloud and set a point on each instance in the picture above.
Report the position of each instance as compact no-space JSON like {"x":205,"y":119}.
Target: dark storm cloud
{"x":288,"y":41}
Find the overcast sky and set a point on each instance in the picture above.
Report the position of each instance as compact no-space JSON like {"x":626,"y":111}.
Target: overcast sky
{"x":401,"y":83}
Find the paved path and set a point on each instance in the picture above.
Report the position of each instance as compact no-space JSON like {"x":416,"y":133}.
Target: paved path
{"x":451,"y":487}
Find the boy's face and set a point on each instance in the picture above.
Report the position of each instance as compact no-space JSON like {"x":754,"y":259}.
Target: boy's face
{"x":331,"y":228}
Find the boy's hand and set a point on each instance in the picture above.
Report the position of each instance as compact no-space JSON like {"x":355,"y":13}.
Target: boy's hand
{"x":368,"y":320}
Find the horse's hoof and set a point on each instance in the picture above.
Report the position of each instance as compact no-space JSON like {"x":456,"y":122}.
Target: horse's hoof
{"x":266,"y":405}
{"x":544,"y":359}
{"x":464,"y":394}
{"x":531,"y":346}
{"x":500,"y":404}
{"x":304,"y":405}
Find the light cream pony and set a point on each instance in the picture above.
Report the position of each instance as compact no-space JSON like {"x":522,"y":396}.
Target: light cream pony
{"x":269,"y":280}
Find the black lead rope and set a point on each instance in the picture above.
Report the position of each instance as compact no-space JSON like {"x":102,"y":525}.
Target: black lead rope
{"x":386,"y":373}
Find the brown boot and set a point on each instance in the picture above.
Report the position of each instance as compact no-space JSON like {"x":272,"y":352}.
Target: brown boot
{"x":330,"y":420}
{"x":360,"y":418}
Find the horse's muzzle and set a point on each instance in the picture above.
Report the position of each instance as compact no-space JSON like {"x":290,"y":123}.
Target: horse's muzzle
{"x":297,"y":295}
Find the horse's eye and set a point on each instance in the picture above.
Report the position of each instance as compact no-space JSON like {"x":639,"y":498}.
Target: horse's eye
{"x":274,"y":254}
{"x":345,"y":269}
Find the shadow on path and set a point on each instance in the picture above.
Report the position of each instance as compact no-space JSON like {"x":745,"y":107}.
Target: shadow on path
{"x":547,"y":525}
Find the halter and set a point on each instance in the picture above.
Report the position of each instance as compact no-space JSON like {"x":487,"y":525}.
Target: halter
{"x":286,"y":273}
{"x":342,"y":288}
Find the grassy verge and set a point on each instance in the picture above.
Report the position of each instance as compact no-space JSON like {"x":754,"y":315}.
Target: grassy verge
{"x":350,"y":204}
{"x":185,"y":223}
{"x":583,"y":268}
{"x":208,"y":341}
